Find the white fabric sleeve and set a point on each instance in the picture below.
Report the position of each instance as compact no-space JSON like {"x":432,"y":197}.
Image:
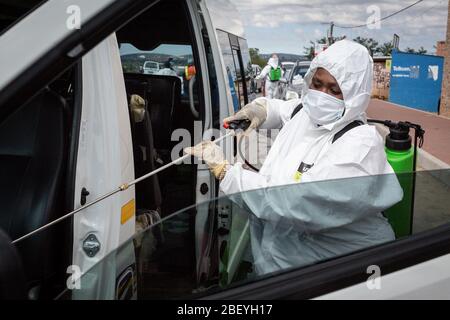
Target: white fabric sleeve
{"x":264,"y":72}
{"x":312,"y":205}
{"x":278,"y":112}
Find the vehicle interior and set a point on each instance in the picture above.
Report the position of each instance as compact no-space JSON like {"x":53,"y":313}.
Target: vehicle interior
{"x":11,"y":10}
{"x":35,"y":161}
{"x":170,"y":103}
{"x":37,"y":155}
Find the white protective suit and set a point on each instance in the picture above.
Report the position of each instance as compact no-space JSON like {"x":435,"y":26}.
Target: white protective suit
{"x":314,"y":219}
{"x":270,"y":86}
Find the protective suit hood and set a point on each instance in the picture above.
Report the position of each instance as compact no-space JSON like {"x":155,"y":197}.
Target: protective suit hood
{"x":273,"y":62}
{"x":352,"y":67}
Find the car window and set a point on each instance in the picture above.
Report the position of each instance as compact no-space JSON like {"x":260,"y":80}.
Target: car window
{"x":166,"y":59}
{"x":134,"y":60}
{"x":253,"y":236}
{"x":300,"y":71}
{"x":237,"y":66}
{"x":247,"y":64}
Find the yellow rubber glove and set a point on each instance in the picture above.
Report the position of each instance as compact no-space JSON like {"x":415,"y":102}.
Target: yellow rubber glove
{"x":137,"y":106}
{"x":213,"y":156}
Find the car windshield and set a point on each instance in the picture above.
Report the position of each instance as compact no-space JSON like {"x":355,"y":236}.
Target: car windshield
{"x":135,"y":60}
{"x":300,"y":71}
{"x":250,"y":236}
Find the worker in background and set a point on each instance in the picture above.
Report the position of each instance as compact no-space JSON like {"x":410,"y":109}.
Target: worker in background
{"x":324,"y":136}
{"x":272,"y":74}
{"x":169,"y":70}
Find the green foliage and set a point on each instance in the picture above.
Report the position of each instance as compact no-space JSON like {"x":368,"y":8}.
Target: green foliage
{"x":309,"y":51}
{"x":369,"y":43}
{"x":374,"y":48}
{"x":386,"y":49}
{"x":422,"y":50}
{"x":256,"y":58}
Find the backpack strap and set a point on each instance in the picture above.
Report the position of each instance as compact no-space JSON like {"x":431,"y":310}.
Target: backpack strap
{"x":347,"y":128}
{"x":296,"y":110}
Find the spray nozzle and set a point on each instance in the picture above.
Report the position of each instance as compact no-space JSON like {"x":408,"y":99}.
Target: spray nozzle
{"x":420,"y":133}
{"x":399,"y":133}
{"x":237,"y":124}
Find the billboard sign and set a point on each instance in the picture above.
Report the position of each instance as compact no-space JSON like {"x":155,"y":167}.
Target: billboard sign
{"x":416,"y":80}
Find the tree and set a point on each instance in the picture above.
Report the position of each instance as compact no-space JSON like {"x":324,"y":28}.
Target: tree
{"x":309,"y":51}
{"x":410,"y":50}
{"x":256,"y":58}
{"x":369,"y":43}
{"x":422,"y":50}
{"x":385,"y":49}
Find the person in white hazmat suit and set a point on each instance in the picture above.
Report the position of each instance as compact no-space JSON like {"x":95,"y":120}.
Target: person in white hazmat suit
{"x":271,"y":86}
{"x":314,"y":216}
{"x":169,"y":71}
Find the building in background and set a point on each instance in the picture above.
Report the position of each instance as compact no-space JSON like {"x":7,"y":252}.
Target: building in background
{"x":445,"y":96}
{"x":440,"y":48}
{"x":381,"y":77}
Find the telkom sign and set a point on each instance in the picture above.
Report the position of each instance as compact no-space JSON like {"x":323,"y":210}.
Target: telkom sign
{"x":416,"y":80}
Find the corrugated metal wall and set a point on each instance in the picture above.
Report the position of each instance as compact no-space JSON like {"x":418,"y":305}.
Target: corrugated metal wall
{"x":416,"y":80}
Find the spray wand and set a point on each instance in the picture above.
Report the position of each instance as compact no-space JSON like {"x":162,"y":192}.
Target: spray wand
{"x":233,"y":126}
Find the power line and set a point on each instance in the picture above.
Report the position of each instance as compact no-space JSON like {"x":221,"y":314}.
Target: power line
{"x":421,"y":15}
{"x":384,"y":18}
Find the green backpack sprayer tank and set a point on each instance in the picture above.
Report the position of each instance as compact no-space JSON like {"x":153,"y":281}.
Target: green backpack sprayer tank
{"x":275,"y":74}
{"x":402,"y":156}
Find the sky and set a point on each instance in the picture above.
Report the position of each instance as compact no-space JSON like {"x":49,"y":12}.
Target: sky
{"x":177,"y":50}
{"x":287,"y":26}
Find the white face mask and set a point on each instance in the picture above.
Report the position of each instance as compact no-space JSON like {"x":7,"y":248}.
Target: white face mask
{"x":322,"y":108}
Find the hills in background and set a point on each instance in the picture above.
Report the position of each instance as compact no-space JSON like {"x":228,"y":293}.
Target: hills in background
{"x":133,"y":62}
{"x":283,"y":57}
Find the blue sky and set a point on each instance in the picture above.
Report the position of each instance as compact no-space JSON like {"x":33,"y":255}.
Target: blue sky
{"x":288,"y":25}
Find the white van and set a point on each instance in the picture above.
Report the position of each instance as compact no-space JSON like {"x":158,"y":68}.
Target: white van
{"x":69,"y":137}
{"x":150,"y":67}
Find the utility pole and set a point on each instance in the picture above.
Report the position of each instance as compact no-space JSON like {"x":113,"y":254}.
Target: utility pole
{"x":331,"y":39}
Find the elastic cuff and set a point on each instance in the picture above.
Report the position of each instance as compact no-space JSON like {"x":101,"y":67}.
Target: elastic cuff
{"x":220,"y":170}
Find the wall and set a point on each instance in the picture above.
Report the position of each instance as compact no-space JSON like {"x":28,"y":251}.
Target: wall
{"x":440,"y":48}
{"x":445,"y":97}
{"x":381,"y":79}
{"x":416,"y":80}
